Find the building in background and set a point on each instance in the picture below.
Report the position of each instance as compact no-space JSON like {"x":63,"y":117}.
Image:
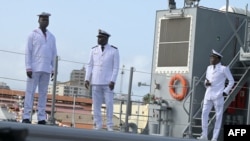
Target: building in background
{"x":77,"y":77}
{"x":4,"y":86}
{"x":73,"y":87}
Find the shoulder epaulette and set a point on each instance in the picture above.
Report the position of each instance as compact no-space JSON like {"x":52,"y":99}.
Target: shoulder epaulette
{"x":35,"y":30}
{"x":95,"y":46}
{"x":113,"y":46}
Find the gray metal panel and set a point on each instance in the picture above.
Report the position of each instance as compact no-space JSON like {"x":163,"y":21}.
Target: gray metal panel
{"x":179,"y":119}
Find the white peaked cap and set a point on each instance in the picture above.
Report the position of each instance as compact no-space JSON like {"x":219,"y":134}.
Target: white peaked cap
{"x":103,"y":33}
{"x":216,"y":53}
{"x":44,"y":14}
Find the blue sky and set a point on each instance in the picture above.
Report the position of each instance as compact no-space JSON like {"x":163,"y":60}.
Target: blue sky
{"x":75,"y":24}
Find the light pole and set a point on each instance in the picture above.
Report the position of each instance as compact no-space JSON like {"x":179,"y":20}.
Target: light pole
{"x":73,"y":111}
{"x":120,"y":116}
{"x":54,"y":79}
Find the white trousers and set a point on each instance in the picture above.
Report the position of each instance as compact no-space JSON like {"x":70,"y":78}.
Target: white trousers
{"x":207,"y":106}
{"x":40,"y":80}
{"x":100,"y":94}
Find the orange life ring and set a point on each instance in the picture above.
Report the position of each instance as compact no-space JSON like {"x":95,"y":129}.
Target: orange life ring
{"x":178,"y":96}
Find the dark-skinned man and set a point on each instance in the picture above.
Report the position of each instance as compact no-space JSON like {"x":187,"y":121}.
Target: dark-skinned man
{"x":39,"y":61}
{"x":101,"y":72}
{"x":216,"y":76}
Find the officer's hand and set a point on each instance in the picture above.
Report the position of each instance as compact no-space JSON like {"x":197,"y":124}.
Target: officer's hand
{"x":208,"y":83}
{"x":111,"y":85}
{"x":52,"y":74}
{"x":29,"y":74}
{"x":86,"y":84}
{"x":224,"y":94}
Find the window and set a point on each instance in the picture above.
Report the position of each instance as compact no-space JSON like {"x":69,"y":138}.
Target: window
{"x":173,"y":44}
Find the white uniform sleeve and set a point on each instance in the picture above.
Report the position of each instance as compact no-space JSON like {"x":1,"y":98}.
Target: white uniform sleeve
{"x":28,"y":53}
{"x":116,"y":66}
{"x":89,"y":67}
{"x":230,"y":80}
{"x":206,"y":78}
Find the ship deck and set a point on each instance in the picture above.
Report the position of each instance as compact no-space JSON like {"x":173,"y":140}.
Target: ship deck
{"x":55,"y":133}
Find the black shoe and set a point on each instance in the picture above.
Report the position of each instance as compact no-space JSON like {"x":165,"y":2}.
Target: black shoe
{"x":26,"y":121}
{"x":42,"y":122}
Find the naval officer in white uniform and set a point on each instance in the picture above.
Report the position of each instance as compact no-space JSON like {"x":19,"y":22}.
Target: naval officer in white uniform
{"x":216,"y":76}
{"x":39,"y":61}
{"x":101,"y":72}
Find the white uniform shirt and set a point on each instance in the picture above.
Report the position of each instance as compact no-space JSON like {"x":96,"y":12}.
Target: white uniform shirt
{"x":217,"y":77}
{"x":40,"y":51}
{"x":103,"y":67}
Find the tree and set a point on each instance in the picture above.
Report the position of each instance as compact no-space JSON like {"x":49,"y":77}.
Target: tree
{"x":147,"y":98}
